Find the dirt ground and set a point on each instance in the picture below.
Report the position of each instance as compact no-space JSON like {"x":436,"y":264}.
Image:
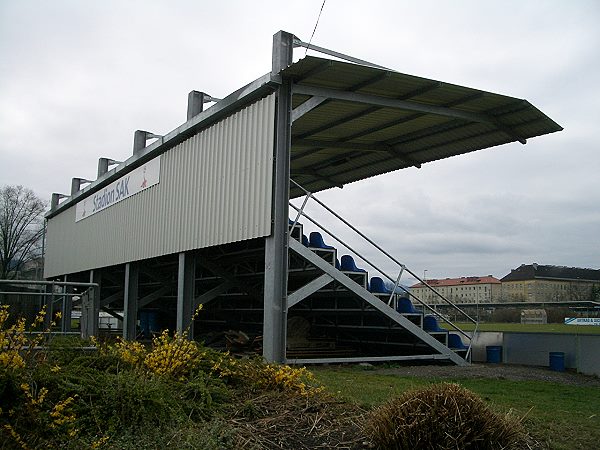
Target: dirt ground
{"x":492,"y":371}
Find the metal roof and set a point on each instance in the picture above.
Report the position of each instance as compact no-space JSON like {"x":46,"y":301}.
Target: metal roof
{"x":364,"y":121}
{"x":353,"y":121}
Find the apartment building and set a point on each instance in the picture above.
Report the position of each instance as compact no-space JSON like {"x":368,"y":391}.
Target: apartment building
{"x":544,"y":283}
{"x":482,"y":289}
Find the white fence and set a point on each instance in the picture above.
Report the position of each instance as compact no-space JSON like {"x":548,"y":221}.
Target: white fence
{"x":532,"y":349}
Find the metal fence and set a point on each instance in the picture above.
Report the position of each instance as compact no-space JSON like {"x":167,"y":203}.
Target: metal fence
{"x":27,"y":297}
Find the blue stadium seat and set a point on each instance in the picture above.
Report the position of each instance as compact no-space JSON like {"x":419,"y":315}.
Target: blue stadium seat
{"x":378,"y":286}
{"x":316,"y":241}
{"x":430,"y":323}
{"x":455,"y":342}
{"x":305,"y":240}
{"x":405,"y":306}
{"x":348,"y":264}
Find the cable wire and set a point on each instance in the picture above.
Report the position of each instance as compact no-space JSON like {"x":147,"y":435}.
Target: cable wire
{"x":315,"y":29}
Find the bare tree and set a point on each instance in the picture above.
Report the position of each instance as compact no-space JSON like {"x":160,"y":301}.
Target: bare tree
{"x":21,"y":228}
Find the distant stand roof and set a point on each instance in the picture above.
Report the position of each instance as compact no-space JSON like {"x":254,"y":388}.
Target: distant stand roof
{"x":370,"y":121}
{"x":538,"y":271}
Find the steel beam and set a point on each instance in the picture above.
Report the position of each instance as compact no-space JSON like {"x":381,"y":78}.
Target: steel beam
{"x":326,"y":51}
{"x":195,"y":104}
{"x":358,"y":359}
{"x":307,"y":106}
{"x":112,"y":298}
{"x":221,"y":272}
{"x":213,"y":293}
{"x":186,"y":275}
{"x":381,"y":306}
{"x":308,"y":289}
{"x":146,"y":300}
{"x":393,"y":103}
{"x":112,"y":313}
{"x":139,"y":140}
{"x":130,"y":307}
{"x":67,"y":308}
{"x":315,"y":174}
{"x":276,"y":250}
{"x":90,"y":308}
{"x":87,"y":315}
{"x":371,"y":148}
{"x":94,"y":299}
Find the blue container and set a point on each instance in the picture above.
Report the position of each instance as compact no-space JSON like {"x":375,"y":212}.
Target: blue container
{"x":493,"y":354}
{"x":148,"y":322}
{"x":557,"y":361}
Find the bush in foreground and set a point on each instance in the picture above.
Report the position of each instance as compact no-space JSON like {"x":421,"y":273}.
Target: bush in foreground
{"x":442,"y":416}
{"x":173,"y":393}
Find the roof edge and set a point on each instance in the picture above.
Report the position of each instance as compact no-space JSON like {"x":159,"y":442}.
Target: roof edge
{"x":258,"y":88}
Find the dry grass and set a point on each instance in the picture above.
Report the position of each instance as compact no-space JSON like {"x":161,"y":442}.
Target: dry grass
{"x":443,"y":416}
{"x":278,"y":421}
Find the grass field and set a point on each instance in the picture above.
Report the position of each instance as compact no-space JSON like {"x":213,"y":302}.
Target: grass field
{"x":545,"y":328}
{"x":562,"y":417}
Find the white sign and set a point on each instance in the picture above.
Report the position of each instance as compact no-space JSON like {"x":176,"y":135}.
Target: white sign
{"x":137,"y":180}
{"x":582,"y":321}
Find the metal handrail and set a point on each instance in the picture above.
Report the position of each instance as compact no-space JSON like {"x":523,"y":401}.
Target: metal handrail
{"x":50,"y":283}
{"x":403,"y":267}
{"x":449,"y":322}
{"x":361,"y":234}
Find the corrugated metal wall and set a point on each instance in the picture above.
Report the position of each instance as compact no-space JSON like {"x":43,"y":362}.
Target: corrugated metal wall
{"x":215,"y":188}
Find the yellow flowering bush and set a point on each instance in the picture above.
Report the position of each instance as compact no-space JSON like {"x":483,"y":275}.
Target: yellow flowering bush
{"x":30,"y":402}
{"x":131,"y":352}
{"x":66,"y":398}
{"x":261,"y":375}
{"x":174,"y":356}
{"x":35,"y":407}
{"x":169,"y":355}
{"x":15,"y":344}
{"x":12,"y":341}
{"x":283,"y":377}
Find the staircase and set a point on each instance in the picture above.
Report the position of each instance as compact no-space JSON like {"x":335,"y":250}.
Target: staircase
{"x":337,"y":312}
{"x":346,"y":316}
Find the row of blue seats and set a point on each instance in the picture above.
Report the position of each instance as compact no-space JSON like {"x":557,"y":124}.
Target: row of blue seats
{"x":430,"y":323}
{"x":377,"y":286}
{"x":346,"y":263}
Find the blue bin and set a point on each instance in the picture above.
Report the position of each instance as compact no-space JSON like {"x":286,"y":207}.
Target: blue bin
{"x":493,"y":354}
{"x":148,"y":322}
{"x":557,"y":361}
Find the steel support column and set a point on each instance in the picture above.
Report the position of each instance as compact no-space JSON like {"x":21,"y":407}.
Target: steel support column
{"x":276,"y":245}
{"x":130,"y":307}
{"x":48,"y":303}
{"x":67,"y":309}
{"x":186,"y":275}
{"x":94,"y":299}
{"x":195,"y":104}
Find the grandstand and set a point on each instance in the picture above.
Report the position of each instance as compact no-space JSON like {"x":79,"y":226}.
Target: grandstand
{"x":204,"y":214}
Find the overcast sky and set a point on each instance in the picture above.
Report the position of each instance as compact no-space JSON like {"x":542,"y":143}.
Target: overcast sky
{"x":78,"y":77}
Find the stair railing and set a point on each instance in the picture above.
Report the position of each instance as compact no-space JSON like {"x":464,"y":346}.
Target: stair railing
{"x":301,"y":213}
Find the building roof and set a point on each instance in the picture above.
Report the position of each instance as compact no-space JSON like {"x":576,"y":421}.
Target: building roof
{"x":462,"y":281}
{"x":369,"y":121}
{"x":538,"y":271}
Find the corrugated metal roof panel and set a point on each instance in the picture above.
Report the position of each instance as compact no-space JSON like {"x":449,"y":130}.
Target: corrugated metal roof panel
{"x":342,"y":141}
